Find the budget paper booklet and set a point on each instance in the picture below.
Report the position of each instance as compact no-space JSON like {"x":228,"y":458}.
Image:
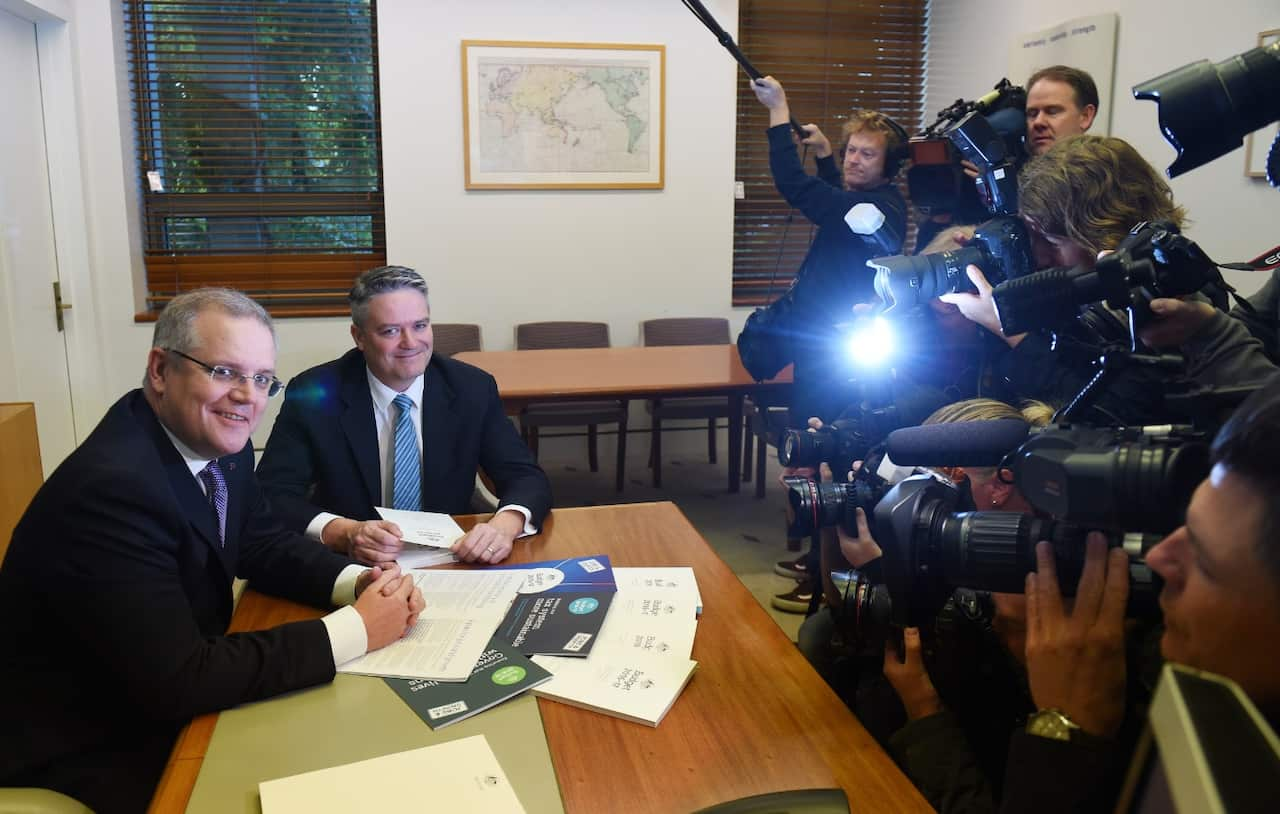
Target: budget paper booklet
{"x":501,"y":673}
{"x":560,"y":607}
{"x":463,"y":610}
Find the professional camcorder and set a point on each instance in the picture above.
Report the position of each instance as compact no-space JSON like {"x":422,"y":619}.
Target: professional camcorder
{"x":988,"y":132}
{"x":1154,"y":260}
{"x":1132,"y":483}
{"x":1001,"y":247}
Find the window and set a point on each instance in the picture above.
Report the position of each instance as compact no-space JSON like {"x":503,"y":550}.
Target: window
{"x":831,"y":57}
{"x":259,"y":147}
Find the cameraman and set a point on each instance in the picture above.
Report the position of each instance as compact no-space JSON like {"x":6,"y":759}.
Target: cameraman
{"x":1078,"y":199}
{"x":1061,"y":102}
{"x":834,"y":275}
{"x":1221,"y":349}
{"x":1221,"y":603}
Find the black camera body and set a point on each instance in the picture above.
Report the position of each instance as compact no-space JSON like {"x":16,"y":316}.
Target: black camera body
{"x":1154,"y":260}
{"x":1001,"y":247}
{"x":1128,"y":482}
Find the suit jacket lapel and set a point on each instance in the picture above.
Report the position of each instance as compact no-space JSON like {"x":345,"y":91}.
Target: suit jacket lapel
{"x":358,"y":425}
{"x":195,"y":504}
{"x":439,"y":431}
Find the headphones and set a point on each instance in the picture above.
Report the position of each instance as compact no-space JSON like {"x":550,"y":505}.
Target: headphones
{"x":894,"y":158}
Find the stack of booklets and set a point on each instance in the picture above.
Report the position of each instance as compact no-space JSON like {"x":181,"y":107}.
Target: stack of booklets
{"x":459,"y":775}
{"x":642,"y":657}
{"x":428,"y":537}
{"x":463,"y":610}
{"x":560,"y":607}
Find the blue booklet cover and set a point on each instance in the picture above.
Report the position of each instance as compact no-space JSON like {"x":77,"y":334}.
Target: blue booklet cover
{"x":560,"y":607}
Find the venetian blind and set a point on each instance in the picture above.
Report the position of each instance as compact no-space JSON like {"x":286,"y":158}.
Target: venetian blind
{"x":258,"y":147}
{"x":831,"y":57}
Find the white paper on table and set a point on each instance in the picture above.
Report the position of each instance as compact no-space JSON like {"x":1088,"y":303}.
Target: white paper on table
{"x":648,"y":622}
{"x":423,"y":528}
{"x":674,"y":579}
{"x":458,"y":775}
{"x":464,"y":609}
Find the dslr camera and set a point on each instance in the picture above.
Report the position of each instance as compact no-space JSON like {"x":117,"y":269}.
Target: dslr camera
{"x":1001,"y":247}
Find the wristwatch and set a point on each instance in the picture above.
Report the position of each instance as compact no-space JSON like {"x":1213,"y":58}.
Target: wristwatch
{"x":1052,"y":724}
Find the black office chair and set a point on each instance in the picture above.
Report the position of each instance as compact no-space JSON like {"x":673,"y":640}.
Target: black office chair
{"x":795,"y":801}
{"x":550,"y":335}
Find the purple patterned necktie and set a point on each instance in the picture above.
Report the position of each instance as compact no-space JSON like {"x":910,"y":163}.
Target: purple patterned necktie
{"x":216,"y":486}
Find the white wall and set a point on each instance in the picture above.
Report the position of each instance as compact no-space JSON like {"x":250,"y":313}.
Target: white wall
{"x":1233,"y":217}
{"x":495,"y":258}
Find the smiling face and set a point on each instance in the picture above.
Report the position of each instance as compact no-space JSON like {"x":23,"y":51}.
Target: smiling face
{"x":1054,"y":113}
{"x":396,"y":337}
{"x":1221,"y":602}
{"x":213,"y":418}
{"x":864,"y":156}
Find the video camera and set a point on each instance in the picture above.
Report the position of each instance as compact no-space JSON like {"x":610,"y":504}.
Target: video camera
{"x":1154,"y":260}
{"x":1132,"y":483}
{"x":988,"y":132}
{"x":1001,"y":247}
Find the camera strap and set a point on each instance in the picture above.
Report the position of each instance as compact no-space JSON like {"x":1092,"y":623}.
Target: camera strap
{"x":1267,"y":261}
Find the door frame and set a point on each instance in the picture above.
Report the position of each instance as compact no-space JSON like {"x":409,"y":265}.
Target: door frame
{"x":53,"y":21}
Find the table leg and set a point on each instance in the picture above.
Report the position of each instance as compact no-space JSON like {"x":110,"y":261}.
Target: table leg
{"x":735,"y":442}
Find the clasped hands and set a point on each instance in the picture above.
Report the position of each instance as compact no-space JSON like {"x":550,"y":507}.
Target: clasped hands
{"x":377,"y":542}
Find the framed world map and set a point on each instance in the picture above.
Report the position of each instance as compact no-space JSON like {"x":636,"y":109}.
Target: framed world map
{"x":549,"y":115}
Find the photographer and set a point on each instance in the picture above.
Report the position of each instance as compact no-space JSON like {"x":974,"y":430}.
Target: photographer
{"x":1221,"y":603}
{"x":1221,"y":349}
{"x":834,"y":275}
{"x":954,"y":751}
{"x":1078,"y":199}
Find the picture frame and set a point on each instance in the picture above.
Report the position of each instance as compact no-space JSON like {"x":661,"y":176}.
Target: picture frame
{"x":1257,"y":143}
{"x":563,"y":115}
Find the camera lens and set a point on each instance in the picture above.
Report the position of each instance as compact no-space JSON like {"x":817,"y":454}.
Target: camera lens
{"x":812,"y":506}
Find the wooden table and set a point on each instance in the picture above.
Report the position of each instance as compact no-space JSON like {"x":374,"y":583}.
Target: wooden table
{"x":755,"y":718}
{"x":577,"y":374}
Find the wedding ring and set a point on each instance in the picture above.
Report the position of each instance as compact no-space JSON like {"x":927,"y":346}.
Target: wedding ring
{"x":489,"y":549}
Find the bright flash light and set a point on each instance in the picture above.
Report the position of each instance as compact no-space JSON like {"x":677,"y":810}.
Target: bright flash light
{"x":871,"y":342}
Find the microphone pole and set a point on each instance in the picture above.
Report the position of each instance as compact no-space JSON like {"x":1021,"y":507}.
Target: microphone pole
{"x":700,"y":11}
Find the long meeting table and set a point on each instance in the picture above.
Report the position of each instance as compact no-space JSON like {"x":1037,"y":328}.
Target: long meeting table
{"x":755,"y":718}
{"x":578,"y":374}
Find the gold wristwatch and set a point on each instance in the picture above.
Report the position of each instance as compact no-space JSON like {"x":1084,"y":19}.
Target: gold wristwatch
{"x":1052,"y":724}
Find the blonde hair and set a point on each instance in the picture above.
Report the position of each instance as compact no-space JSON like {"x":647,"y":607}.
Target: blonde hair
{"x":862,"y":120}
{"x":1093,"y":190}
{"x":1035,"y":413}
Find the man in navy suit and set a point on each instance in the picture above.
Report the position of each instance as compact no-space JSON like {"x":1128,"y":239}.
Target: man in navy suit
{"x":389,"y":424}
{"x":116,"y":591}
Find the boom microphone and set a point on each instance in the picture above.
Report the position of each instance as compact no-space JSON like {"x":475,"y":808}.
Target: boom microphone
{"x":962,"y":443}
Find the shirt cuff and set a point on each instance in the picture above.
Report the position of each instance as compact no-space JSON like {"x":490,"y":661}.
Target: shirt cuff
{"x":347,"y":635}
{"x":529,"y":528}
{"x":344,"y":587}
{"x":317,"y":524}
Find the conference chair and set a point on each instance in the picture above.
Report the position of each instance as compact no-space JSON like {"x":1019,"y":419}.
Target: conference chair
{"x":763,"y":425}
{"x":455,"y":337}
{"x":684,"y":331}
{"x":551,"y":335}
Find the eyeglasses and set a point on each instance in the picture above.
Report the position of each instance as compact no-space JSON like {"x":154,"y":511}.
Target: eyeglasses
{"x":231,"y":377}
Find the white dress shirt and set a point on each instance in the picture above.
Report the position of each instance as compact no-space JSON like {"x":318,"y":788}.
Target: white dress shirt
{"x":385,"y":416}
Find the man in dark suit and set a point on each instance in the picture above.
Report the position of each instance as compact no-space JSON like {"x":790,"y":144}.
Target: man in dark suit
{"x":116,"y":591}
{"x":389,"y":424}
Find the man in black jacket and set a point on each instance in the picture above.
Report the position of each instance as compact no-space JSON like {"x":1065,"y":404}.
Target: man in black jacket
{"x":390,"y":424}
{"x":116,"y":589}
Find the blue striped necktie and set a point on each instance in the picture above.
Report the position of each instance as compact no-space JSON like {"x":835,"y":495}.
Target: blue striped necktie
{"x":215,"y":486}
{"x":406,"y":481}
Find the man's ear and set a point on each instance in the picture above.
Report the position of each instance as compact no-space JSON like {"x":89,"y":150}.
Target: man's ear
{"x":1089,"y":112}
{"x":355,"y":336}
{"x":157,"y":365}
{"x":1000,"y":491}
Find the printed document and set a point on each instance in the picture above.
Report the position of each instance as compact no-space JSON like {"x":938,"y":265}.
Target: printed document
{"x":427,"y":536}
{"x":463,"y":610}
